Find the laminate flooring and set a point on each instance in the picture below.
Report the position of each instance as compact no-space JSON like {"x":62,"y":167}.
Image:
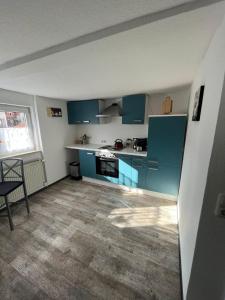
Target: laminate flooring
{"x":86,"y":241}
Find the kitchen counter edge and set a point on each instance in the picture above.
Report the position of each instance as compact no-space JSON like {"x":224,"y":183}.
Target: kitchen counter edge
{"x":95,"y":147}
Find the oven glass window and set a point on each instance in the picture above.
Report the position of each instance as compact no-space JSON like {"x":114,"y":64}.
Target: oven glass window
{"x":107,"y":167}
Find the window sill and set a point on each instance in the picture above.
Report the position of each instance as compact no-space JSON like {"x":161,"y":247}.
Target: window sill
{"x":19,"y":154}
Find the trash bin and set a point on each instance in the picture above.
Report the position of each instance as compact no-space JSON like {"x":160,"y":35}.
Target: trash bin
{"x":75,"y":170}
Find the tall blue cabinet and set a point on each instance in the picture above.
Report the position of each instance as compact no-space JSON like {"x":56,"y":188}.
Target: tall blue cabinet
{"x":166,"y":137}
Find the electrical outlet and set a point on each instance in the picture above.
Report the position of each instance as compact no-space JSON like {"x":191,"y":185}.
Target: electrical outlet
{"x":220,"y":206}
{"x":103,"y":141}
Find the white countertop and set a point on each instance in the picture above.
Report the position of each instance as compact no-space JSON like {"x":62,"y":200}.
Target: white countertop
{"x":95,"y":147}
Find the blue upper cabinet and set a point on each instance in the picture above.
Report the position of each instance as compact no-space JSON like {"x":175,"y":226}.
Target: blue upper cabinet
{"x":166,"y":136}
{"x":133,"y":109}
{"x":83,"y":112}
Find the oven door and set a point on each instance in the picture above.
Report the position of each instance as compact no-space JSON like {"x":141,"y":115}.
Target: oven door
{"x":107,"y":166}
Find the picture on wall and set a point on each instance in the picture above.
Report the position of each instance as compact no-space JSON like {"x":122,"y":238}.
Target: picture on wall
{"x":54,"y":112}
{"x":198,"y":103}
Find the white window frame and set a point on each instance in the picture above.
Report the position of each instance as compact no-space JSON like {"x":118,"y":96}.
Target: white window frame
{"x":30,"y":122}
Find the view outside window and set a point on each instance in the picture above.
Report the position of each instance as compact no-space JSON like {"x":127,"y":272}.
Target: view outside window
{"x":15,"y":132}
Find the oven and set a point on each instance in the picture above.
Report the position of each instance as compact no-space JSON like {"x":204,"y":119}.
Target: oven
{"x":107,"y":164}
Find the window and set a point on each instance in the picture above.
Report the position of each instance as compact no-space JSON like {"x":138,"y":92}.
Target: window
{"x":16,"y":131}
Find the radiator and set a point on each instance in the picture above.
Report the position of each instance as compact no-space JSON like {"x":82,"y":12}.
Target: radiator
{"x":35,"y":180}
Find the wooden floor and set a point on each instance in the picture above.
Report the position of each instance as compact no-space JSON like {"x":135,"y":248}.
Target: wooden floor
{"x":84,"y":241}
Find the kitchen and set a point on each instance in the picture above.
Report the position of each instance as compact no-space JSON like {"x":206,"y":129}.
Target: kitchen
{"x":131,"y":162}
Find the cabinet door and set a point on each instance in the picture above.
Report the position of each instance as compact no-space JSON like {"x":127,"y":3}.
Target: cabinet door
{"x":90,"y":110}
{"x":166,"y":136}
{"x":83,"y":112}
{"x":133,"y":109}
{"x":138,"y":172}
{"x":163,"y":179}
{"x":87,"y":163}
{"x":125,"y":170}
{"x":74,"y":117}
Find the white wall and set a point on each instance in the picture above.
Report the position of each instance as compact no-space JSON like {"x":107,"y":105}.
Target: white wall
{"x":56,"y":134}
{"x":198,"y":149}
{"x":179,"y":96}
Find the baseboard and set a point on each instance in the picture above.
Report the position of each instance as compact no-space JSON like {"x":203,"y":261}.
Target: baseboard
{"x":125,"y":188}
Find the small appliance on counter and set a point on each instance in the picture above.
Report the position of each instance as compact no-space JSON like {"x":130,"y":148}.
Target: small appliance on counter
{"x":84,"y":139}
{"x":129,"y":143}
{"x":140,"y":144}
{"x":118,"y":144}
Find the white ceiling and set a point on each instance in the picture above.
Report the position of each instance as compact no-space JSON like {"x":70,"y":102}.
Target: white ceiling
{"x":153,"y":57}
{"x":30,"y":25}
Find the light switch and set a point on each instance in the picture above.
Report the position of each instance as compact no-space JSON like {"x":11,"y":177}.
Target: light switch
{"x":220,"y":206}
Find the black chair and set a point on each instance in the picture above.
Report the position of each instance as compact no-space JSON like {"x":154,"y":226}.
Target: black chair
{"x":12,"y":177}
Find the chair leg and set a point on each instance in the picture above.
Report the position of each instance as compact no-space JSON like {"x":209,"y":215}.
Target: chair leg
{"x":26,"y":198}
{"x":9,"y":213}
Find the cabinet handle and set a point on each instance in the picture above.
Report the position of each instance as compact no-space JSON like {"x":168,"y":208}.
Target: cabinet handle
{"x":90,"y":153}
{"x":86,"y":121}
{"x":153,"y":161}
{"x":138,"y":121}
{"x":153,"y":169}
{"x":78,"y":122}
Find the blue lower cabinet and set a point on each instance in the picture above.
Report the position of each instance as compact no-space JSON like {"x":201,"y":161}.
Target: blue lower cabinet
{"x":138,"y":173}
{"x":125,"y":170}
{"x":163,"y":179}
{"x":87,"y":163}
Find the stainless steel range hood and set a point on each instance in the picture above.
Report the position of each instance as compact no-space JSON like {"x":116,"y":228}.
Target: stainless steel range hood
{"x":114,"y":110}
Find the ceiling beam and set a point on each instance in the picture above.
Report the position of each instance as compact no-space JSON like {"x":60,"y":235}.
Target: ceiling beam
{"x":105,"y":32}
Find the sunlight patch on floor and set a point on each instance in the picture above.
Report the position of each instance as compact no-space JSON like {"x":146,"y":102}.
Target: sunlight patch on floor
{"x":143,"y":216}
{"x":128,"y":191}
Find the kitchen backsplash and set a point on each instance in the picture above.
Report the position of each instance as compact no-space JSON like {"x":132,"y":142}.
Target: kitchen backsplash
{"x":108,"y":133}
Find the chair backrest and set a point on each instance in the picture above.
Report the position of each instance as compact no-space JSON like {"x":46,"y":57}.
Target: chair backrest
{"x":12,"y":169}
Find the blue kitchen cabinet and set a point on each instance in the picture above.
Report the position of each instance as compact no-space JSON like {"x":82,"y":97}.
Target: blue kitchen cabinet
{"x":125,"y":170}
{"x":83,"y":112}
{"x":162,"y":178}
{"x":166,"y":136}
{"x":133,"y":111}
{"x":166,"y":139}
{"x":138,"y":172}
{"x":87,"y":163}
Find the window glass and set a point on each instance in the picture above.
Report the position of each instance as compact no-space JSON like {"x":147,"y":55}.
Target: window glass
{"x":16,"y":132}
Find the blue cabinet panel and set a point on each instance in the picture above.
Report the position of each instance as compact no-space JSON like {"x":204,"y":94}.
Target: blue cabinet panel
{"x":125,"y":170}
{"x":138,"y":172}
{"x":163,"y":179}
{"x":83,"y":112}
{"x":166,"y":137}
{"x":87,"y":163}
{"x":73,"y":115}
{"x":133,"y":109}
